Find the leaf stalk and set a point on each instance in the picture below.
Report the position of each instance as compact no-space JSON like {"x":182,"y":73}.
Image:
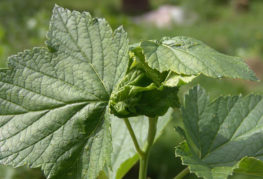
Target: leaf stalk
{"x":133,"y":136}
{"x":150,"y":140}
{"x":182,"y":174}
{"x":144,"y":155}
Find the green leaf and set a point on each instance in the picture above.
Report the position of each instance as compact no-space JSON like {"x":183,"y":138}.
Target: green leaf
{"x":124,"y":154}
{"x":188,"y":56}
{"x":54,"y":103}
{"x":19,"y":173}
{"x":170,"y":79}
{"x":137,"y":95}
{"x":220,"y":133}
{"x":173,"y":79}
{"x":250,"y":167}
{"x":138,"y":62}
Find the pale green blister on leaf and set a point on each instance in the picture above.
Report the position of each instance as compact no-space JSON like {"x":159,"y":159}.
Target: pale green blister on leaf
{"x":136,"y":94}
{"x":145,"y":91}
{"x":138,"y":61}
{"x":220,"y":133}
{"x":173,"y":79}
{"x":188,"y":56}
{"x":54,"y":103}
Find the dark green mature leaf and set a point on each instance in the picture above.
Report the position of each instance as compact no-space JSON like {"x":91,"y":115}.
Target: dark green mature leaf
{"x":220,"y":133}
{"x":124,"y":155}
{"x":188,"y":56}
{"x":53,"y":103}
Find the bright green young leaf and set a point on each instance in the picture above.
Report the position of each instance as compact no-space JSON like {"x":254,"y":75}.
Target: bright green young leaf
{"x":220,"y":133}
{"x":188,"y":56}
{"x":124,"y":155}
{"x":54,"y":103}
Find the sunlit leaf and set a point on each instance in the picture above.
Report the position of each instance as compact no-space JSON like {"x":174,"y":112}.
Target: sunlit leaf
{"x":53,"y":102}
{"x":220,"y":133}
{"x":188,"y":56}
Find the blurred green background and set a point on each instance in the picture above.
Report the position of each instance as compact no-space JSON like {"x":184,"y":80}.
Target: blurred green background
{"x":234,"y":27}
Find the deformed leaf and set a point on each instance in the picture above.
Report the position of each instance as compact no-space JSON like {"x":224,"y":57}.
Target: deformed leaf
{"x":54,"y":103}
{"x":138,"y":62}
{"x":220,"y":133}
{"x":170,"y":79}
{"x":188,"y":56}
{"x":173,"y":79}
{"x":136,"y":94}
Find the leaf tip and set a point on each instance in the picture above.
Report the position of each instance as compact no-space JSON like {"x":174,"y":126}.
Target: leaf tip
{"x":195,"y":90}
{"x":120,"y":30}
{"x":180,"y":131}
{"x":56,"y":8}
{"x":254,"y":78}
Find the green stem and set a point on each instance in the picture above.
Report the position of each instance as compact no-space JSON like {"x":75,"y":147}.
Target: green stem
{"x":150,"y":140}
{"x":144,"y":155}
{"x":129,"y":127}
{"x":183,"y":173}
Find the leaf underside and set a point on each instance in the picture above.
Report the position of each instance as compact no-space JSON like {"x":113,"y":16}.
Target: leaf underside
{"x":54,"y":102}
{"x":220,"y":133}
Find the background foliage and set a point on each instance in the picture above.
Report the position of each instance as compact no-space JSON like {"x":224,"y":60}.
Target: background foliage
{"x":23,"y":24}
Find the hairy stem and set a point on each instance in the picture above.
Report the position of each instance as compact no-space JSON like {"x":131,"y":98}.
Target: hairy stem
{"x":150,"y":140}
{"x":183,"y":173}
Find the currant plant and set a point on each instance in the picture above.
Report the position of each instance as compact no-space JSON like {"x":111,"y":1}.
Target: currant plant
{"x":90,"y":105}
